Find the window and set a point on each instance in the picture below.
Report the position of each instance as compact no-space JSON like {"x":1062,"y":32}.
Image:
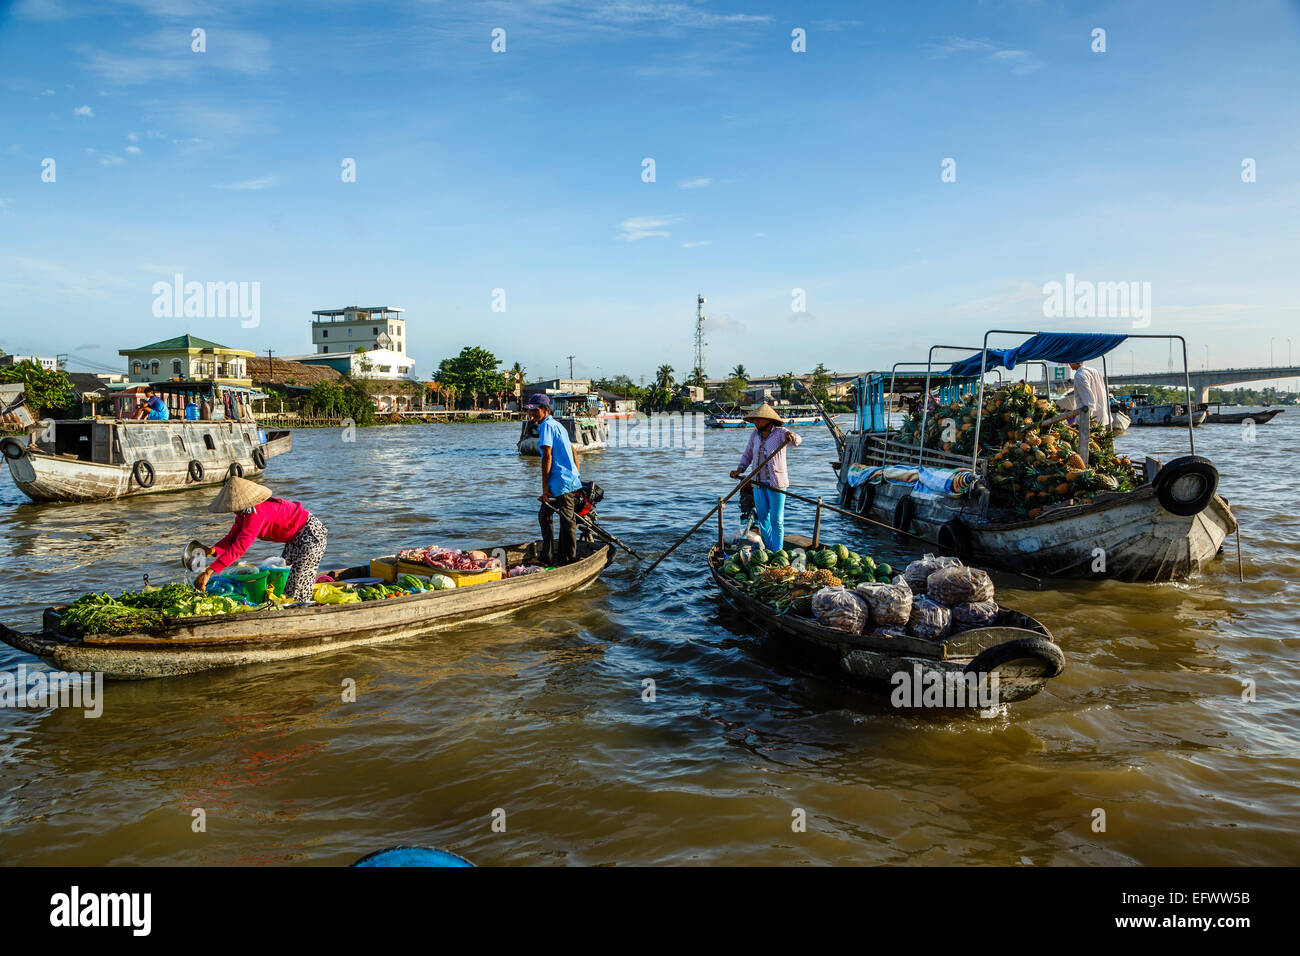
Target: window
{"x":349,"y":333}
{"x":153,"y":367}
{"x":135,"y":367}
{"x":325,"y":333}
{"x":176,"y":367}
{"x":327,"y":348}
{"x":375,"y":330}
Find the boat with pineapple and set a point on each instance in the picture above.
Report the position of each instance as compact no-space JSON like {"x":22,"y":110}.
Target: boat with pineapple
{"x":996,"y":474}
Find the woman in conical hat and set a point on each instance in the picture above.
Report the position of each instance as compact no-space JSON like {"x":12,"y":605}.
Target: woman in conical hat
{"x":260,"y":515}
{"x":769,"y":437}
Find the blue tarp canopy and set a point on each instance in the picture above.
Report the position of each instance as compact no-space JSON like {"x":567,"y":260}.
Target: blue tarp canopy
{"x":1061,"y":347}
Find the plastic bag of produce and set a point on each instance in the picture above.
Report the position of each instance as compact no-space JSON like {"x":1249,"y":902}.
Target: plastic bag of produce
{"x":890,"y":604}
{"x":441,"y":582}
{"x":918,"y":571}
{"x":972,"y":615}
{"x":959,"y":585}
{"x":841,"y":609}
{"x":521,"y":569}
{"x":929,"y":619}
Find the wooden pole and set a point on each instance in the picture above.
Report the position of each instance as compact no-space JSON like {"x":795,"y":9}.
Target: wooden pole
{"x":817,"y":526}
{"x":722,"y":541}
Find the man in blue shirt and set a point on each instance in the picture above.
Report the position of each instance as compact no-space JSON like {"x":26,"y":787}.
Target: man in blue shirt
{"x":154,"y":408}
{"x":560,"y":479}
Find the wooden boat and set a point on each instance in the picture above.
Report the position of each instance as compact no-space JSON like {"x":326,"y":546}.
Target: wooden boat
{"x":102,"y":458}
{"x":796,"y":416}
{"x":1020,"y":650}
{"x":1167,"y":529}
{"x":1169,"y":415}
{"x":1220,"y":417}
{"x":190,"y":645}
{"x":588,"y":430}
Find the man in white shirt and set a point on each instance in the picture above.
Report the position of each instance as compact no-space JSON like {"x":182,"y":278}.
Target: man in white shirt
{"x":1090,"y":390}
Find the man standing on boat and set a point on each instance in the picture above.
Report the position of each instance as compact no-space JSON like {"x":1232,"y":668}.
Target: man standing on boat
{"x":560,"y":479}
{"x":769,"y":437}
{"x":1090,"y":390}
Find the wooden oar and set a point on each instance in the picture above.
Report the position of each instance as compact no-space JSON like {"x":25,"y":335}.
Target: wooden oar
{"x":744,"y":481}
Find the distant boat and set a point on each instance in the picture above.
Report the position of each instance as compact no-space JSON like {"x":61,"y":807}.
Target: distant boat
{"x":795,"y":416}
{"x":588,"y":430}
{"x":1219,"y":417}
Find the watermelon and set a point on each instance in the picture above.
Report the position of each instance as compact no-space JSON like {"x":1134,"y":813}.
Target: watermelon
{"x":784,"y":554}
{"x":841,"y":552}
{"x":760,"y":556}
{"x":824,"y":559}
{"x":780,"y":560}
{"x":869,"y":563}
{"x":885,"y":569}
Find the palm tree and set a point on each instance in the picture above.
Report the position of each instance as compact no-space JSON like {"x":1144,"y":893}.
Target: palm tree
{"x":740,"y":372}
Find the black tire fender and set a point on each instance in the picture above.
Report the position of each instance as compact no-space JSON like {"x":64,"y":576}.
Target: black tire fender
{"x":904,"y":512}
{"x":1186,"y":485}
{"x":12,"y":448}
{"x":259,"y":458}
{"x":196,"y":470}
{"x":142,"y":470}
{"x":236,"y":470}
{"x":1039,"y":649}
{"x":868,"y":499}
{"x":955,"y":536}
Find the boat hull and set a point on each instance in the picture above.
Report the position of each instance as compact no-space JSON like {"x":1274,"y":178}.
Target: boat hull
{"x":193,"y":645}
{"x":1237,"y":418}
{"x":1123,"y":536}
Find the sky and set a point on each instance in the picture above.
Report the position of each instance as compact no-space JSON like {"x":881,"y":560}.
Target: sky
{"x":501,"y":197}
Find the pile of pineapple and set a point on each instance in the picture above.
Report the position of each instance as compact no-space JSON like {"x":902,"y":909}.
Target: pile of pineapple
{"x":1031,"y":465}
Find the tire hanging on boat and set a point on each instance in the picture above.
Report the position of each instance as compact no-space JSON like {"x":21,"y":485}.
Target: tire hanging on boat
{"x":12,"y":448}
{"x":867,"y":500}
{"x":196,"y":470}
{"x":904,"y":512}
{"x":955,"y":537}
{"x":236,"y":470}
{"x":142,"y":470}
{"x":1038,"y":650}
{"x":259,"y":458}
{"x":1186,"y":485}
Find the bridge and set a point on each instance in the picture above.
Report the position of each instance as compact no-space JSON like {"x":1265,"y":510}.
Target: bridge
{"x":1204,"y":379}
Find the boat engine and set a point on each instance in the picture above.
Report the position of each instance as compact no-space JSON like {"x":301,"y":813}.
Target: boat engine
{"x":585,"y":500}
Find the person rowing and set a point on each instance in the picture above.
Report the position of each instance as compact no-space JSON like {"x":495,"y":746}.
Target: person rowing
{"x":769,"y":437}
{"x":259,"y":515}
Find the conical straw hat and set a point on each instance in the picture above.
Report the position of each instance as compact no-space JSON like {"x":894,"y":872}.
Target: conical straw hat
{"x":239,"y":494}
{"x":767,"y":412}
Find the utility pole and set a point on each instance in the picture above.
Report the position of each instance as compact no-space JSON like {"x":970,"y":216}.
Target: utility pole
{"x":570,"y":367}
{"x":272,"y":361}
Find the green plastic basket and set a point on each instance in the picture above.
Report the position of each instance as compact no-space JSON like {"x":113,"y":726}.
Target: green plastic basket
{"x":278,"y":579}
{"x":254,"y":585}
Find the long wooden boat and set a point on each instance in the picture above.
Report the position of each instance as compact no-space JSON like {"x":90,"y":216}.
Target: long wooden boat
{"x":103,"y":458}
{"x":1220,"y":417}
{"x":586,"y":434}
{"x":1019,"y":649}
{"x":190,"y":645}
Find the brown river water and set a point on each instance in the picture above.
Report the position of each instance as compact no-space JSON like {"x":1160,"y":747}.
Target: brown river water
{"x":541,"y":714}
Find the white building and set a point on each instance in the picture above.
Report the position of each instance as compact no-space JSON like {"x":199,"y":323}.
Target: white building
{"x":375,"y":363}
{"x":48,"y":364}
{"x":344,"y":330}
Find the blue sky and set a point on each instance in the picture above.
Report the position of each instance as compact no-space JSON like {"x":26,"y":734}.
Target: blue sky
{"x":775,"y":171}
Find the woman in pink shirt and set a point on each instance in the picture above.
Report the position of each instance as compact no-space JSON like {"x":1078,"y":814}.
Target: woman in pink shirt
{"x":769,"y":437}
{"x":258,"y":515}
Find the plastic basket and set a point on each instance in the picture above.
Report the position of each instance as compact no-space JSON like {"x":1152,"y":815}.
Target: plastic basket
{"x":254,"y":585}
{"x":277,"y":579}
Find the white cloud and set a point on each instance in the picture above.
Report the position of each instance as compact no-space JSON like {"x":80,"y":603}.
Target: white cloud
{"x":697,"y":242}
{"x":112,"y":161}
{"x":1020,"y":61}
{"x":83,"y":111}
{"x":133,"y":149}
{"x":47,"y":92}
{"x":132,"y":137}
{"x":644,"y":227}
{"x":262,"y":182}
{"x":695,"y":183}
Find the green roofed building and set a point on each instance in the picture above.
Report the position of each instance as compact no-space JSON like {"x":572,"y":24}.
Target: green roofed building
{"x":188,"y":358}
